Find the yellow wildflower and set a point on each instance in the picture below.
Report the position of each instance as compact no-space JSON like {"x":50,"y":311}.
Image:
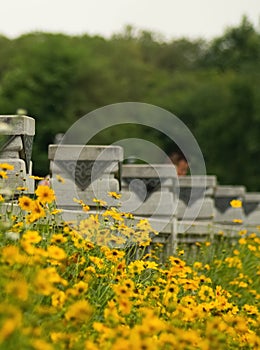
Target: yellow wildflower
{"x":12,"y":320}
{"x":56,"y":253}
{"x":79,"y":312}
{"x":18,"y":288}
{"x":45,"y":194}
{"x":114,"y":255}
{"x":236,"y":203}
{"x":80,"y":287}
{"x":3,"y":175}
{"x":99,"y":202}
{"x":6,"y":166}
{"x":114,"y":195}
{"x":25,"y":203}
{"x":32,"y":237}
{"x":237,"y":221}
{"x":22,"y":188}
{"x":37,"y":211}
{"x":58,"y":238}
{"x":58,"y":299}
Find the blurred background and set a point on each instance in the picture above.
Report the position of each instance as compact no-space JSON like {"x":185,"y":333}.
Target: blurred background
{"x":199,"y":60}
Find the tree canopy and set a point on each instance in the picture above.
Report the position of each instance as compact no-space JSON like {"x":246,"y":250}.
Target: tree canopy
{"x":212,"y":86}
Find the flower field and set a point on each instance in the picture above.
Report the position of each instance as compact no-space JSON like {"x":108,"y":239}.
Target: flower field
{"x":96,"y":285}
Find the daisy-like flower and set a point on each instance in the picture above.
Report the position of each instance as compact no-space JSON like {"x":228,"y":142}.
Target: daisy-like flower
{"x":56,"y":211}
{"x":58,"y":299}
{"x":80,"y":287}
{"x":56,"y":253}
{"x":45,"y":194}
{"x":79,"y":312}
{"x":3,"y":174}
{"x":6,"y":166}
{"x":19,"y":288}
{"x":58,"y":238}
{"x":32,"y":236}
{"x":85,"y":207}
{"x":99,"y":202}
{"x":236,"y":203}
{"x":37,"y":211}
{"x":114,"y":195}
{"x":114,"y":255}
{"x":25,"y":203}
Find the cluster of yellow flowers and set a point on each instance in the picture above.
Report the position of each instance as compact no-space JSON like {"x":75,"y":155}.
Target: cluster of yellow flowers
{"x":64,"y":286}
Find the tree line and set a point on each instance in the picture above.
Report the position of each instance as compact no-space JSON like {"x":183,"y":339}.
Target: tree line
{"x":212,"y":86}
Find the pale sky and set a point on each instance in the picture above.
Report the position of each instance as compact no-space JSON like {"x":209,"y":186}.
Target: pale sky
{"x":170,"y":18}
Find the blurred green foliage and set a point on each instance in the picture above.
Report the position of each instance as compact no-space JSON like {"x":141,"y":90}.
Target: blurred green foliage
{"x":212,"y":86}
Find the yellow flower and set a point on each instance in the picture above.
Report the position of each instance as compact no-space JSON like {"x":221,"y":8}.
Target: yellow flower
{"x":11,"y":255}
{"x":58,"y":299}
{"x":25,"y":203}
{"x":45,"y":280}
{"x":88,"y":225}
{"x":3,"y":174}
{"x":114,"y":255}
{"x":56,"y":211}
{"x":125,"y":306}
{"x":22,"y":188}
{"x":136,"y":266}
{"x":19,"y":289}
{"x":80,"y":287}
{"x":236,"y":203}
{"x":242,"y":241}
{"x":206,"y":293}
{"x":114,"y":214}
{"x":237,"y":221}
{"x":36,"y":177}
{"x":1,"y":198}
{"x":197,"y":265}
{"x":151,"y":265}
{"x":37,"y":211}
{"x":58,"y":238}
{"x":6,"y":166}
{"x":56,"y":253}
{"x":152,"y":292}
{"x":114,"y":195}
{"x":122,"y":291}
{"x":12,"y":320}
{"x":39,"y":344}
{"x":251,"y":247}
{"x":99,"y":202}
{"x":45,"y":194}
{"x":32,"y":237}
{"x":97,"y":261}
{"x":76,"y":200}
{"x":250,"y":309}
{"x":85,"y":207}
{"x":128,"y":215}
{"x":79,"y":312}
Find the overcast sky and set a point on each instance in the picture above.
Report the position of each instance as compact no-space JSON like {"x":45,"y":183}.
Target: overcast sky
{"x":171,"y":18}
